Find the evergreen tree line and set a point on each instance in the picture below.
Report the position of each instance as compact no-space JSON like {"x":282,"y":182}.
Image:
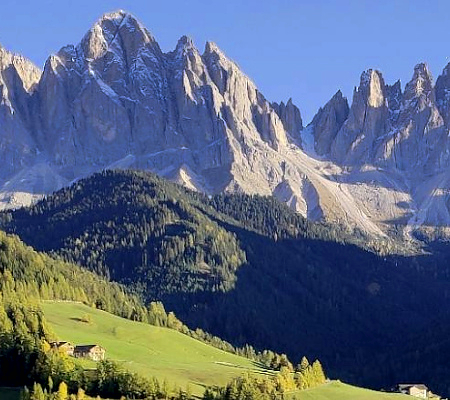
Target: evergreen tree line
{"x":305,"y":376}
{"x":109,"y":380}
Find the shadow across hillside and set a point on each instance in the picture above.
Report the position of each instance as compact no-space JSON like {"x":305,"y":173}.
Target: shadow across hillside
{"x":326,"y":300}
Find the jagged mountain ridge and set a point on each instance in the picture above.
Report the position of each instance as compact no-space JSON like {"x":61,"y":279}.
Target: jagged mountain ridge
{"x":116,"y":100}
{"x":401,"y":135}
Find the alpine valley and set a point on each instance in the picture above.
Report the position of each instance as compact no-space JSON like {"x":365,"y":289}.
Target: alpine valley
{"x":147,"y":178}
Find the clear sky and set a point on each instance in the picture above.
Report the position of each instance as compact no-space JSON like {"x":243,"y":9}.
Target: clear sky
{"x":302,"y":49}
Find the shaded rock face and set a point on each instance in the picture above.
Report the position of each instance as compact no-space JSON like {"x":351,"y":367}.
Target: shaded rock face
{"x":442,"y":94}
{"x":18,"y":78}
{"x":418,"y":131}
{"x":327,"y":123}
{"x":290,"y":117}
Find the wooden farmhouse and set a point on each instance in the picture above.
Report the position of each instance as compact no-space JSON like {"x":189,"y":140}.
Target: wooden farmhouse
{"x":414,"y":389}
{"x":65,"y":347}
{"x":91,"y":351}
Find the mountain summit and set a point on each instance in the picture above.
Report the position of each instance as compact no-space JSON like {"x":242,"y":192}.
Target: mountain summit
{"x":116,"y":100}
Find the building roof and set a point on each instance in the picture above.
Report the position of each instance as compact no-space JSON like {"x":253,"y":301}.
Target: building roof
{"x":59,"y":344}
{"x":87,"y":347}
{"x":409,"y":385}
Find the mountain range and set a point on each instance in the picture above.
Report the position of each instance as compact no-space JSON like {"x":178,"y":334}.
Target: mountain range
{"x":379,"y":166}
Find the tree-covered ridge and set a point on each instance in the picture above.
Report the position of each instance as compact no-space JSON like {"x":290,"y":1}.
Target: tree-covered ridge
{"x":134,"y":225}
{"x":36,"y":276}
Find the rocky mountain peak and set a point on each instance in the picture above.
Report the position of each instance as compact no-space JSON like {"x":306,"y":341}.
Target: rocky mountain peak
{"x":394,"y":97}
{"x":211,"y":47}
{"x":442,"y":93}
{"x":373,"y":88}
{"x":219,"y":65}
{"x":18,"y":80}
{"x":215,"y":58}
{"x":28,"y":73}
{"x":116,"y":100}
{"x":290,"y":116}
{"x":113,"y":21}
{"x":328,"y":121}
{"x":185,"y":49}
{"x":185,"y":42}
{"x":188,"y":65}
{"x":418,"y":135}
{"x":367,"y":121}
{"x":421,"y":83}
{"x":119,"y":32}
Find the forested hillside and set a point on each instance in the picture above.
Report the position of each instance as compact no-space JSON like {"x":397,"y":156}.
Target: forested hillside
{"x":27,"y":278}
{"x":245,"y":268}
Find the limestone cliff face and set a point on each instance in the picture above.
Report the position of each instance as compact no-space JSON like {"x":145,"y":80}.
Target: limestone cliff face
{"x":388,"y":128}
{"x":290,"y":117}
{"x":442,"y":94}
{"x":18,"y":79}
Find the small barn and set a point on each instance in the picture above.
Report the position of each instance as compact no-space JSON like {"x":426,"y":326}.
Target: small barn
{"x":414,"y":389}
{"x":65,"y":347}
{"x":91,"y":351}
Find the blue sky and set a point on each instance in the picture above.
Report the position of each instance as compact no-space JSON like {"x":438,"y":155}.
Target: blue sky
{"x":306,"y":50}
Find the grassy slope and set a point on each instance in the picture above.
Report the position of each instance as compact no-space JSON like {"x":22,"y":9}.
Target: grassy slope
{"x":165,"y":353}
{"x":148,"y":350}
{"x":341,"y":391}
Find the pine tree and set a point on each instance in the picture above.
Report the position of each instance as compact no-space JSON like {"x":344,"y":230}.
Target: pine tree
{"x":304,"y":364}
{"x":318,"y":373}
{"x":80,"y":394}
{"x":37,"y":393}
{"x":63,"y":393}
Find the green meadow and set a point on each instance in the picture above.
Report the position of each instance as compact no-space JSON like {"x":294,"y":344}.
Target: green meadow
{"x":167,"y":354}
{"x":151,"y":351}
{"x":336,"y":390}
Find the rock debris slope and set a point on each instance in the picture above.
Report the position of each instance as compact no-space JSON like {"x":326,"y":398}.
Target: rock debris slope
{"x":116,"y":100}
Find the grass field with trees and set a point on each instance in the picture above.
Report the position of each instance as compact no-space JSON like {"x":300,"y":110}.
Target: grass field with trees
{"x":148,"y":350}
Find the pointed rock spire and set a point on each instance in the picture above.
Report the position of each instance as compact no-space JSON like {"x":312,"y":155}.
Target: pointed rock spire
{"x":119,"y":31}
{"x":187,"y":54}
{"x":328,"y":121}
{"x":421,"y":83}
{"x":418,"y":137}
{"x":442,"y":93}
{"x":367,"y":121}
{"x":394,"y":96}
{"x":217,"y":65}
{"x":290,"y":117}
